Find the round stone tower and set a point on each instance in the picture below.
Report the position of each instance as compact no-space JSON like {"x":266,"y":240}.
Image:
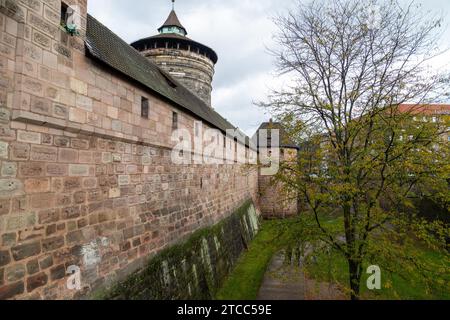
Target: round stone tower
{"x":189,"y":62}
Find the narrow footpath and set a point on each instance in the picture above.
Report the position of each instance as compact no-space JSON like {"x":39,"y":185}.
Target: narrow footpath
{"x":284,"y":282}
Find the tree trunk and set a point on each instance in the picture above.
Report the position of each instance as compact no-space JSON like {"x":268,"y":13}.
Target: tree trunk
{"x":355,"y":278}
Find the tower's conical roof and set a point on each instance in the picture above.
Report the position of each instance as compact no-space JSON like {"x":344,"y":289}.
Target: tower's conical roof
{"x":173,"y":21}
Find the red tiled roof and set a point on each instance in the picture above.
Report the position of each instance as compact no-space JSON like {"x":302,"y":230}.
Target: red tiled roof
{"x":426,"y":109}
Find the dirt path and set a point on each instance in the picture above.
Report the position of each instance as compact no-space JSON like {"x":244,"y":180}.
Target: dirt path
{"x":283,"y":282}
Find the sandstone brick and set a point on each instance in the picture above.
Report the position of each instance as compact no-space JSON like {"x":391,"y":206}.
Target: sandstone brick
{"x":124,"y":180}
{"x":48,"y":216}
{"x":15,"y":272}
{"x":63,"y":200}
{"x":107,"y":157}
{"x":31,"y":169}
{"x":79,"y":86}
{"x":50,"y":60}
{"x":5,"y":206}
{"x":9,"y":239}
{"x":9,"y":169}
{"x":43,"y":153}
{"x":40,"y":106}
{"x":3,"y":150}
{"x":46,"y":262}
{"x":42,"y":201}
{"x":60,"y":111}
{"x":80,"y":144}
{"x":20,"y":221}
{"x":37,"y":185}
{"x":5,"y":115}
{"x":68,"y":155}
{"x":74,"y":237}
{"x":47,"y":139}
{"x":77,"y":115}
{"x":62,"y":141}
{"x":28,"y":137}
{"x":80,"y":197}
{"x":5,"y":258}
{"x":24,"y":251}
{"x":57,"y":170}
{"x":19,"y":151}
{"x":11,"y":290}
{"x":50,"y":230}
{"x":85,"y":157}
{"x":52,"y":244}
{"x":70,"y":213}
{"x":79,"y":170}
{"x":58,"y":272}
{"x":71,"y":184}
{"x":10,"y":187}
{"x":32,"y":267}
{"x":36,"y":281}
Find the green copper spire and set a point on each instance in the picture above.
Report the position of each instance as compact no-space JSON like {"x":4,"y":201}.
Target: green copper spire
{"x":173,"y":24}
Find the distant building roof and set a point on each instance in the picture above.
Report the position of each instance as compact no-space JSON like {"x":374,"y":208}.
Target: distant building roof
{"x":110,"y":49}
{"x":425,"y":109}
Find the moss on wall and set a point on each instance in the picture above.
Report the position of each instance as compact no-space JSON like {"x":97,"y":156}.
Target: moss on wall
{"x":195,"y":269}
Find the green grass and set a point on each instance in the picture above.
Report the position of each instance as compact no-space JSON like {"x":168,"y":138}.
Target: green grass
{"x":410,"y":286}
{"x":245,"y":281}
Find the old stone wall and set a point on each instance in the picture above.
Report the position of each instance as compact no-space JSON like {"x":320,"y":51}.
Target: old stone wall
{"x":194,"y":269}
{"x":275,"y":200}
{"x":85,"y":180}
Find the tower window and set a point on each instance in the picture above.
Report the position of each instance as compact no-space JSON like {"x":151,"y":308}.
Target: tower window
{"x":145,"y":109}
{"x":174,"y":121}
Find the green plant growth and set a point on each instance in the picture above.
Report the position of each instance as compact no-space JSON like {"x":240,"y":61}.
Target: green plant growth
{"x":194,"y":269}
{"x":429,"y":280}
{"x":245,"y":280}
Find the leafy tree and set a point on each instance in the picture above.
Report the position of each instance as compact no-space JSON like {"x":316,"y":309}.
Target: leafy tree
{"x":352,"y":65}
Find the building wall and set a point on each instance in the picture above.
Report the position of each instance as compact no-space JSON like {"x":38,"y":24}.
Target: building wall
{"x":85,"y":180}
{"x":274,"y":199}
{"x":194,"y":71}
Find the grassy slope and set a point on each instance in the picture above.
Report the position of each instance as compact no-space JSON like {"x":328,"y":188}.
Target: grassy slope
{"x":409,"y":287}
{"x":245,"y":281}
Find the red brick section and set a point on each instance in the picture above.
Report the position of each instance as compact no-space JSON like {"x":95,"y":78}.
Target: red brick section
{"x":427,"y":109}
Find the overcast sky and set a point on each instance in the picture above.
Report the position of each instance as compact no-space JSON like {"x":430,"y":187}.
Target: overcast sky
{"x":238,"y":30}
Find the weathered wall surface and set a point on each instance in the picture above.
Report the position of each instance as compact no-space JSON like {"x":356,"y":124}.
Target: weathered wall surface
{"x":275,"y":201}
{"x":194,"y":269}
{"x":85,"y":180}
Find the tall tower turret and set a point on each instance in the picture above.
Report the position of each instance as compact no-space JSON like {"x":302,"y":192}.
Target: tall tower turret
{"x":188,"y":61}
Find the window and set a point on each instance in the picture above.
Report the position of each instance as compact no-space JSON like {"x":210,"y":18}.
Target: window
{"x":174,"y":121}
{"x":145,"y":108}
{"x":197,"y":129}
{"x":64,"y":11}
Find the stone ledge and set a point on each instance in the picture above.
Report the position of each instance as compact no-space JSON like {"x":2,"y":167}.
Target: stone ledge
{"x":55,"y":123}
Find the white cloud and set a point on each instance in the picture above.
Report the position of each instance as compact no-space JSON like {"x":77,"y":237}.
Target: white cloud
{"x":238,"y":30}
